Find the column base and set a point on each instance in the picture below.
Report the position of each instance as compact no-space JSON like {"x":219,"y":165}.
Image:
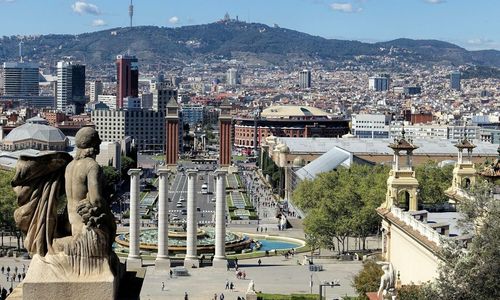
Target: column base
{"x":219,"y":262}
{"x":134,"y":263}
{"x":162,"y":264}
{"x":189,"y":262}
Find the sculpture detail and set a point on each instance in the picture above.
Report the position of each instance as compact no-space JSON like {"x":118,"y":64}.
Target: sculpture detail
{"x":387,"y":283}
{"x":73,"y":235}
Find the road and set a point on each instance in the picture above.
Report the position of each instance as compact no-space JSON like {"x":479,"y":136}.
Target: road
{"x":205,"y":207}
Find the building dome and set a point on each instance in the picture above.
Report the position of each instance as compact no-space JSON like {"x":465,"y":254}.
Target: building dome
{"x":293,"y":112}
{"x":299,"y":162}
{"x":35,"y":136}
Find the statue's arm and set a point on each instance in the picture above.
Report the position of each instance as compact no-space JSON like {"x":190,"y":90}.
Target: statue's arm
{"x":94,"y":182}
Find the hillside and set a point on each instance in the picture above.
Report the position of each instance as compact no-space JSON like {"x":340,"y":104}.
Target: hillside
{"x":159,"y":44}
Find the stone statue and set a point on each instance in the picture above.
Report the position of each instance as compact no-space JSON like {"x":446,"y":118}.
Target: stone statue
{"x":68,"y":237}
{"x":387,"y":283}
{"x":251,"y":287}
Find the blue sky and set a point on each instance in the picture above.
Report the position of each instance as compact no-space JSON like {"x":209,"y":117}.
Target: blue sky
{"x":473,"y":24}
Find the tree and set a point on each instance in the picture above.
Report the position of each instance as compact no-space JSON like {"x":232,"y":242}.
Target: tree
{"x":473,"y":272}
{"x":111,"y":178}
{"x":342,"y":203}
{"x":433,"y":181}
{"x":8,"y":199}
{"x":368,"y":279}
{"x":127,"y":163}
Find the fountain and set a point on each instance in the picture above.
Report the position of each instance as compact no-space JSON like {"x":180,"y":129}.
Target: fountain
{"x":177,"y":240}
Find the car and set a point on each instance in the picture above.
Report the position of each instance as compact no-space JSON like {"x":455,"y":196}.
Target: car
{"x":181,"y":199}
{"x":179,"y":205}
{"x":213,"y":200}
{"x":184,"y":212}
{"x":198,"y":209}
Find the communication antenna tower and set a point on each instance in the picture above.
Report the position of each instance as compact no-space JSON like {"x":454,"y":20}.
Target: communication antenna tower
{"x":131,"y":12}
{"x":21,"y":51}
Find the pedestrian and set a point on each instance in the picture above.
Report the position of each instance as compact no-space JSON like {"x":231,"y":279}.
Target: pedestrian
{"x":186,"y":297}
{"x":231,"y":286}
{"x":162,"y":286}
{"x":257,"y":231}
{"x":228,"y":266}
{"x":244,"y":275}
{"x":171,"y":273}
{"x":8,"y":269}
{"x":215,"y":296}
{"x":3,"y":269}
{"x":259,"y":262}
{"x":227,"y":284}
{"x":221,"y":297}
{"x":236,"y":260}
{"x":265,"y":228}
{"x":19,"y":277}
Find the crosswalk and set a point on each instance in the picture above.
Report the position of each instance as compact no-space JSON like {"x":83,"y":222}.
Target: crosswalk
{"x":203,"y":211}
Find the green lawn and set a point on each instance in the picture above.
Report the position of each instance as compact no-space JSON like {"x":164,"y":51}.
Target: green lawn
{"x":263,"y":296}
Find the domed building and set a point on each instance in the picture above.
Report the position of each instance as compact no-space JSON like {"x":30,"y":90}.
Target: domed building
{"x":288,"y":121}
{"x":35,"y":135}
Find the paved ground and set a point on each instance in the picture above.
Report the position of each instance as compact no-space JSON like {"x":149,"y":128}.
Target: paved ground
{"x":275,"y":275}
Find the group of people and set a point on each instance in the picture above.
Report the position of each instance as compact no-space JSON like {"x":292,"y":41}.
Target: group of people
{"x":11,"y":274}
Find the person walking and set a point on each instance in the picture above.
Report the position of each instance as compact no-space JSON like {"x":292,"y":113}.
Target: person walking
{"x":186,"y":297}
{"x":231,"y":286}
{"x":171,"y":273}
{"x":162,"y":286}
{"x":259,"y":262}
{"x":227,"y":284}
{"x":221,"y":297}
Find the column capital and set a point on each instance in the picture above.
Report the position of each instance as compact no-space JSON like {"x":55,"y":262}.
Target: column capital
{"x":191,"y":172}
{"x":163,"y":171}
{"x":134,"y":172}
{"x":220,"y":172}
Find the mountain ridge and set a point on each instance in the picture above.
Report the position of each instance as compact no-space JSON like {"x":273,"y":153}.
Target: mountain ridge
{"x":154,"y":44}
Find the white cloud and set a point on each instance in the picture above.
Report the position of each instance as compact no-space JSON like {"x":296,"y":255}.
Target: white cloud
{"x":345,"y":7}
{"x":435,"y":1}
{"x":99,"y":23}
{"x":7,"y":1}
{"x":81,"y":7}
{"x":173,"y":20}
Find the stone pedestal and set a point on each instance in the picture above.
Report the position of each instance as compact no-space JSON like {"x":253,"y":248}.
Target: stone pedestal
{"x":134,"y":260}
{"x":191,"y":223}
{"x":162,"y":261}
{"x":251,"y":296}
{"x":45,"y":281}
{"x":219,"y":263}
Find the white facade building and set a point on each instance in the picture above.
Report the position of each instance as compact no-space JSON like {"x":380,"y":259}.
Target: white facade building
{"x":64,"y":82}
{"x":232,"y":77}
{"x":305,"y":80}
{"x":371,"y":125}
{"x":378,"y":84}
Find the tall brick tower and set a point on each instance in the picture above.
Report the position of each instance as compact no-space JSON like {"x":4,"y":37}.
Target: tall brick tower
{"x":172,"y":130}
{"x":225,"y":149}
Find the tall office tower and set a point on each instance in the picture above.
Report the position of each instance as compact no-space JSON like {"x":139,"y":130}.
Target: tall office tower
{"x":232,"y":77}
{"x":77,"y":88}
{"x":20,"y":79}
{"x":96,"y":89}
{"x":64,"y":85}
{"x":162,"y":93}
{"x":305,"y":79}
{"x":455,"y":77}
{"x":127,"y":79}
{"x":378,"y":83}
{"x":70,"y":87}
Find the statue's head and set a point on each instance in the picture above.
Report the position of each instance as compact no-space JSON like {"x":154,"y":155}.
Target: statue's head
{"x":87,"y":141}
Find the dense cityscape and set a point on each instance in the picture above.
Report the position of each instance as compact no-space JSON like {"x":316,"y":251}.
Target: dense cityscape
{"x":250,"y":174}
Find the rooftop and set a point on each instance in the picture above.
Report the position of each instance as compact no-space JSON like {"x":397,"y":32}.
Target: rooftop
{"x":287,"y":111}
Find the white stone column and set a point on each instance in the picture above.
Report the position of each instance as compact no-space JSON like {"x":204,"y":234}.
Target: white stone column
{"x":191,"y":257}
{"x":162,"y":261}
{"x":134,"y":260}
{"x":220,"y":220}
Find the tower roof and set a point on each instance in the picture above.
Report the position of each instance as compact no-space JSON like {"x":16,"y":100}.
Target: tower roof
{"x":402,"y":143}
{"x":172,"y":103}
{"x":465,"y":144}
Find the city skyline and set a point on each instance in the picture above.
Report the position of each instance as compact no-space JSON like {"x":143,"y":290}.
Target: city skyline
{"x":457,"y":21}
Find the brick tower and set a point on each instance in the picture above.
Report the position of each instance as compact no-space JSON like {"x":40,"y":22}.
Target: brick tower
{"x":172,"y":131}
{"x":225,"y":149}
